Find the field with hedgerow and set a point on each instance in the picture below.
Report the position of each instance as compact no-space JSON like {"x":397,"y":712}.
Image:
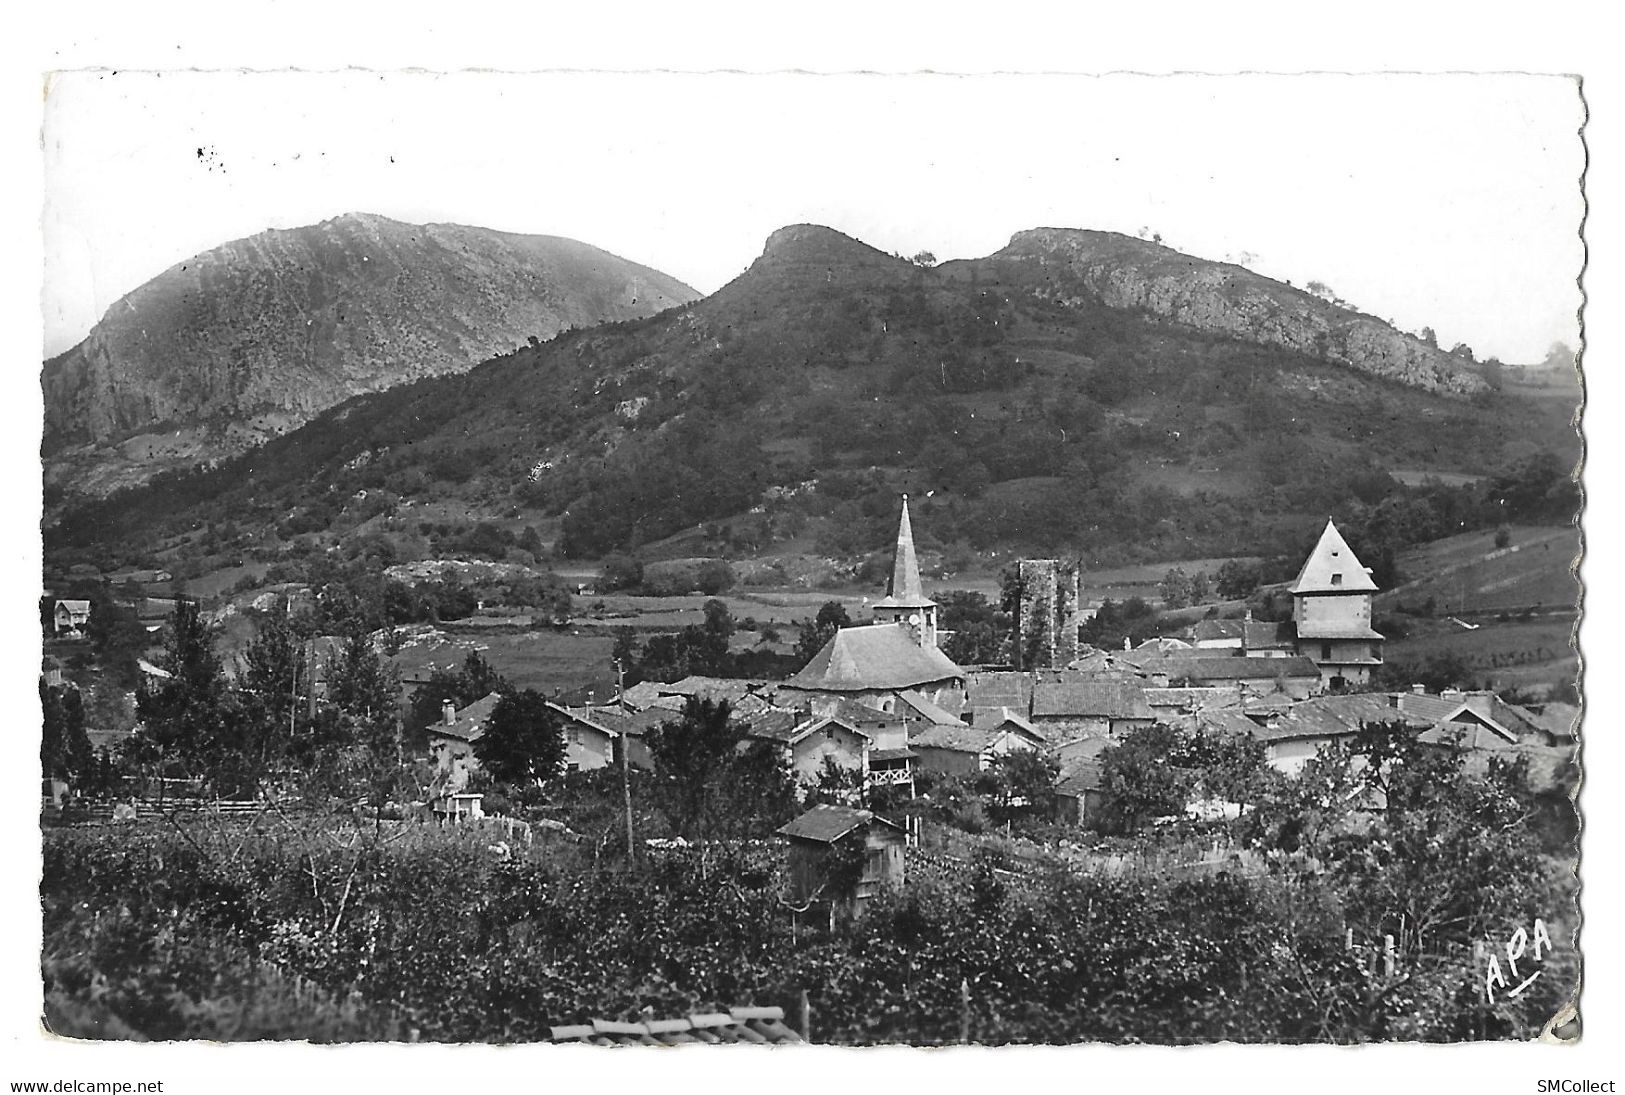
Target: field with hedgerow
{"x":334,"y":929}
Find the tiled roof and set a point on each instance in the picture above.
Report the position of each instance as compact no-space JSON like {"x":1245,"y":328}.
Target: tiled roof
{"x":1082,"y":749}
{"x":1437,"y":709}
{"x":957,"y":739}
{"x":1338,"y":631}
{"x":1332,"y":568}
{"x":1213,"y":629}
{"x":1226,"y":721}
{"x":875,"y":657}
{"x":814,"y":723}
{"x":928,"y":710}
{"x":1134,"y":661}
{"x":714,"y":688}
{"x":882,"y":756}
{"x":827,"y":824}
{"x":1269,"y":634}
{"x":1192,"y":699}
{"x":1114,"y":698}
{"x":469,"y":723}
{"x":861,"y":714}
{"x":1091,"y":660}
{"x":772,"y":724}
{"x":1334,"y":716}
{"x":1556,"y":719}
{"x":643,"y":694}
{"x":1013,"y":690}
{"x":1086,"y":775}
{"x":1230,"y":669}
{"x":759,"y":1026}
{"x":1163,"y":644}
{"x":618,"y":721}
{"x":1006,"y":717}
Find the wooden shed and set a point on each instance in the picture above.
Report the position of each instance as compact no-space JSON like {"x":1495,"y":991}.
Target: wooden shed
{"x":825,"y":843}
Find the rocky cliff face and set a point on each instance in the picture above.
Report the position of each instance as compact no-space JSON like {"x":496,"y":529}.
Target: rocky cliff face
{"x":1124,"y":272}
{"x":259,"y":335}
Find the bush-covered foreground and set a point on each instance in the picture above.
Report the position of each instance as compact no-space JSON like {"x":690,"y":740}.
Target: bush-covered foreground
{"x":319,"y":929}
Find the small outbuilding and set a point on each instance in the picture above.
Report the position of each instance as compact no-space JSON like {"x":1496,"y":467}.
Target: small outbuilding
{"x":843,"y":855}
{"x":71,"y":618}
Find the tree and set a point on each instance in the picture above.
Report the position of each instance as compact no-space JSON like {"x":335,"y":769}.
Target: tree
{"x":711,"y":780}
{"x":830,"y":619}
{"x":1176,"y":588}
{"x":1022,"y":785}
{"x":715,"y":576}
{"x":620,"y":572}
{"x":923,"y":258}
{"x":116,"y":634}
{"x":65,"y":751}
{"x":692,"y":755}
{"x":474,"y":680}
{"x":835,"y":785}
{"x":1141,"y":780}
{"x":1453,"y":853}
{"x":523,"y":740}
{"x":273,"y":668}
{"x":363,"y":686}
{"x":188,"y":718}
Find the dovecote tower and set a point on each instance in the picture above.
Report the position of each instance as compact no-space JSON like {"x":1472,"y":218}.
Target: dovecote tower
{"x":1331,"y":612}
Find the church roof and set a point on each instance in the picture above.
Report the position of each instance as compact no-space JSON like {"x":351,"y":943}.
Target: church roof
{"x":879,"y":656}
{"x":1333,"y":568}
{"x":903,"y":589}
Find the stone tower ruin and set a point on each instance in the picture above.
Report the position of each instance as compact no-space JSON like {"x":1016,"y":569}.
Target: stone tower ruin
{"x":1045,"y":631}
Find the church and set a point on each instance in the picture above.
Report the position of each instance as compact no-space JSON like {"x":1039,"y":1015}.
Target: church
{"x":873,"y":664}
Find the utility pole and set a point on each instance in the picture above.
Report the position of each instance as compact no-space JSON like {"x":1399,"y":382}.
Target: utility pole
{"x":626,"y":759}
{"x":310,"y":678}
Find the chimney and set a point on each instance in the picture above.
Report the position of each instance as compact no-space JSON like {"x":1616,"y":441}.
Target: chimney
{"x":1126,"y":644}
{"x":1247,"y":617}
{"x":1419,"y":689}
{"x":448,"y":713}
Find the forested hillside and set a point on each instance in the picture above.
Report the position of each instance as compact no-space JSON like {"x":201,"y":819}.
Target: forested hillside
{"x":787,"y":409}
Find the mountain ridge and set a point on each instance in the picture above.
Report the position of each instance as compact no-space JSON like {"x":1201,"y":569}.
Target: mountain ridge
{"x":1229,"y":299}
{"x":794,"y":401}
{"x":257,"y":335}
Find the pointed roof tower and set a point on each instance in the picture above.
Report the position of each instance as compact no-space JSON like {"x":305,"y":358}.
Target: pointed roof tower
{"x":1332,"y":568}
{"x":903,"y":590}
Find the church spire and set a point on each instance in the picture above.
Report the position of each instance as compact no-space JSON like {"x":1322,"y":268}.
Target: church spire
{"x":905,"y":601}
{"x":905,"y":567}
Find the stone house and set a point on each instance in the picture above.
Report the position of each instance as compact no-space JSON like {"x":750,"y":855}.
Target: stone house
{"x":451,"y":740}
{"x":1070,"y":705}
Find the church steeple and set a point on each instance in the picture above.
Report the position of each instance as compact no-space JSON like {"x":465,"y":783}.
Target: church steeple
{"x":905,"y":601}
{"x":905,"y":567}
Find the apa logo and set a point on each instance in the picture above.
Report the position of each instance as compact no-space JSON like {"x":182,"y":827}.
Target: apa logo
{"x":1536,"y":943}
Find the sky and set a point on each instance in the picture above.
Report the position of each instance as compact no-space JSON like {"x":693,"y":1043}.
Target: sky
{"x":1451,"y":202}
